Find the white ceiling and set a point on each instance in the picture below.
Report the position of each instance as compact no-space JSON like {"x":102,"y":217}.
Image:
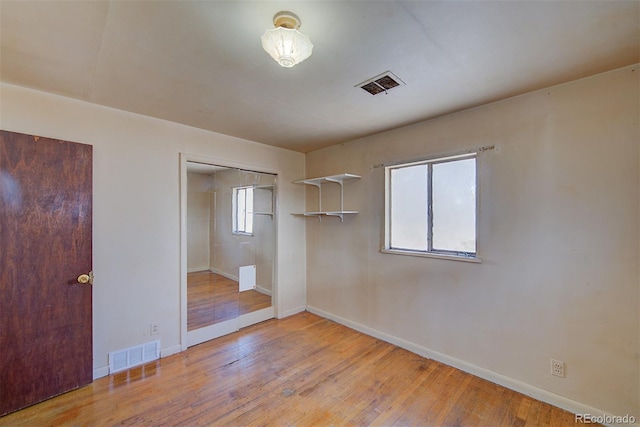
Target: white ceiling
{"x":200,"y":63}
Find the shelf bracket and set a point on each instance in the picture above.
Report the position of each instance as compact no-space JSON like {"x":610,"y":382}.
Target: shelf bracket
{"x":340,"y":215}
{"x":340,"y":182}
{"x":319,"y":186}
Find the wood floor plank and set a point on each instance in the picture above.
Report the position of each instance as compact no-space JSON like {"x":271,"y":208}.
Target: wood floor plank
{"x":301,"y":371}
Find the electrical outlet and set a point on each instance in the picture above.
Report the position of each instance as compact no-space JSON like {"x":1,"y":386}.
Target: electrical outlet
{"x":154,"y":328}
{"x":557,"y":368}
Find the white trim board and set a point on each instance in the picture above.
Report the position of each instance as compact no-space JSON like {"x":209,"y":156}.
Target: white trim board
{"x":263,"y":290}
{"x":254,"y":317}
{"x":510,"y":383}
{"x":166,"y":352}
{"x":291,"y":312}
{"x":210,"y":332}
{"x":100,"y":372}
{"x":223,"y":274}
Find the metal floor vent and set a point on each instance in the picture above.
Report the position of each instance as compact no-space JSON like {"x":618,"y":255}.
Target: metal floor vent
{"x":133,"y":356}
{"x":381,"y":83}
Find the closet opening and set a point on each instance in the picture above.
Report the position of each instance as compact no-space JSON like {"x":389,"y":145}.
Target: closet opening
{"x":228,"y":242}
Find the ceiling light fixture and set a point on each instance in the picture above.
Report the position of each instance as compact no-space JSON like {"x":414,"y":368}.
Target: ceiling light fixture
{"x":285,"y":43}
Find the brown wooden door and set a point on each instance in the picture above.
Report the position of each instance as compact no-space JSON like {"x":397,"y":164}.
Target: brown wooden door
{"x":45,"y":244}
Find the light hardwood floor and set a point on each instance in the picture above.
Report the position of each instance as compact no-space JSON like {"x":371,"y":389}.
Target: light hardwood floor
{"x":213,"y":298}
{"x":300,"y":371}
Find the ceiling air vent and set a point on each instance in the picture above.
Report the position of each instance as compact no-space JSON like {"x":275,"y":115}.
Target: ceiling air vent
{"x":381,"y":83}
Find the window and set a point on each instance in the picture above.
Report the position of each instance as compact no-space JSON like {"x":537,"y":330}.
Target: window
{"x":243,"y":210}
{"x":431,"y":207}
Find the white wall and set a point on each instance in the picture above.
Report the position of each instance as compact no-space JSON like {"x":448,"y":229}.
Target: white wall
{"x":199,"y":199}
{"x":136,"y":224}
{"x":558,"y":231}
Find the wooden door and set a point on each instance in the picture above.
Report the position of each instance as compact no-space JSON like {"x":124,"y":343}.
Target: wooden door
{"x":45,"y":244}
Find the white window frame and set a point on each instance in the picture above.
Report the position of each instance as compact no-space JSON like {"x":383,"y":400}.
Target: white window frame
{"x":430,"y":253}
{"x":240,"y":227}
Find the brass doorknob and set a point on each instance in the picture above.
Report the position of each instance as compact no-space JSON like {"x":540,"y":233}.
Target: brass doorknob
{"x":86,"y":278}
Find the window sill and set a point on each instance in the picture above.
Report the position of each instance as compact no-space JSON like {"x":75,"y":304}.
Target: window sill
{"x":475,"y":260}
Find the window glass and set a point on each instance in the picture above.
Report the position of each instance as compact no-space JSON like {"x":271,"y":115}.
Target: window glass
{"x":431,"y":206}
{"x":243,"y":210}
{"x":409,"y":207}
{"x":454,"y":206}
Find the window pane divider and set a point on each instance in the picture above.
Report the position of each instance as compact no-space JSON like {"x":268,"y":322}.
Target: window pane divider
{"x":429,"y":207}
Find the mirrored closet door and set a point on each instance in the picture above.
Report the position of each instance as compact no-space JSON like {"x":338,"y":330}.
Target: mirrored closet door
{"x":230,"y":249}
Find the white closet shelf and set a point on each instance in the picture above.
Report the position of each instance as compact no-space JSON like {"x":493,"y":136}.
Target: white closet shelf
{"x":317,"y":182}
{"x":324,"y":179}
{"x":329,"y":213}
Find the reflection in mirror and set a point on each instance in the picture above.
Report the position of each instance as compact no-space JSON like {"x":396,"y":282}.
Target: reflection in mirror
{"x":230,"y":243}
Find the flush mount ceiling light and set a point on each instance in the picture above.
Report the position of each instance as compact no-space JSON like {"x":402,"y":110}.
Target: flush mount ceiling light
{"x":285,"y":43}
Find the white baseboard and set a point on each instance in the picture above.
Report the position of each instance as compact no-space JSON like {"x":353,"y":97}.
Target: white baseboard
{"x":513,"y":384}
{"x":100,"y":372}
{"x":263,"y":290}
{"x":222,"y":273}
{"x":291,"y":312}
{"x":210,"y":332}
{"x":197,"y":269}
{"x":254,"y":317}
{"x":164,"y":352}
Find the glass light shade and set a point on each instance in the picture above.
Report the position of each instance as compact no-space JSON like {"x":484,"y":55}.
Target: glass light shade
{"x":287,"y":46}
